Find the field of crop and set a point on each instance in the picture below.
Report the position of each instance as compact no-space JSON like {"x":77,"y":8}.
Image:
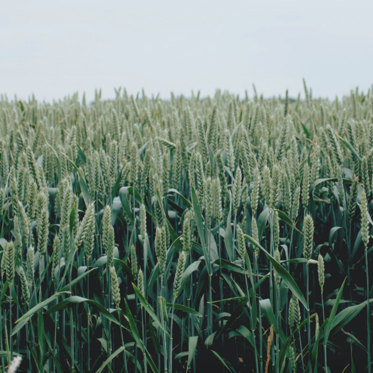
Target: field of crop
{"x":218,"y":234}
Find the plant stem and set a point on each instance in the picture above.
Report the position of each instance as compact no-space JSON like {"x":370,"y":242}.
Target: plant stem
{"x":253,"y":331}
{"x":277,"y":334}
{"x":10,"y":323}
{"x":88,"y":330}
{"x":368,"y":306}
{"x":171,"y":339}
{"x":164,"y":333}
{"x":121,"y":337}
{"x":301,"y":350}
{"x":308,"y":313}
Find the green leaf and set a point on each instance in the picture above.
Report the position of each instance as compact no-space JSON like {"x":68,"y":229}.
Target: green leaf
{"x":3,"y":242}
{"x":73,"y":300}
{"x":266,"y":306}
{"x":115,"y":209}
{"x":298,"y":260}
{"x":3,"y":291}
{"x":346,"y":315}
{"x":166,"y":143}
{"x":200,"y":227}
{"x":350,"y":148}
{"x":173,"y":235}
{"x":192,"y":349}
{"x":287,"y":220}
{"x":253,"y":316}
{"x":118,"y":181}
{"x":77,"y":280}
{"x":212,"y":248}
{"x":332,"y":233}
{"x":221,"y":359}
{"x":40,"y":306}
{"x":193,"y":267}
{"x":124,"y":266}
{"x":305,"y":130}
{"x":123,"y":198}
{"x":228,"y":265}
{"x":262,"y":222}
{"x":284,"y":274}
{"x":234,"y":315}
{"x":162,"y":302}
{"x":355,"y":340}
{"x":186,"y":309}
{"x":41,"y":339}
{"x":210,"y":340}
{"x":228,"y":299}
{"x":139,"y":200}
{"x":81,"y":154}
{"x":137,"y":338}
{"x":332,"y":313}
{"x":110,"y":358}
{"x":148,"y":308}
{"x":4,"y":354}
{"x":82,"y":182}
{"x":103,"y":343}
{"x":285,"y":345}
{"x":228,"y":239}
{"x":353,"y":369}
{"x":246,"y":334}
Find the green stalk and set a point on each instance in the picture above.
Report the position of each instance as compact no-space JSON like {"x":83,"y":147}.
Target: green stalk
{"x":88,"y":330}
{"x":72,"y":331}
{"x":301,"y":350}
{"x":308,"y":313}
{"x":368,"y":306}
{"x":325,"y":352}
{"x":171,"y":339}
{"x":143,"y":338}
{"x":164,"y":333}
{"x":122,"y":340}
{"x":256,"y":269}
{"x":1,"y":336}
{"x":271,"y":278}
{"x":277,"y":334}
{"x":28,"y":350}
{"x":253,"y":331}
{"x":291,"y":246}
{"x":159,"y":312}
{"x":189,"y":304}
{"x":10,"y":323}
{"x":55,"y":333}
{"x":271,"y":244}
{"x":210,"y":306}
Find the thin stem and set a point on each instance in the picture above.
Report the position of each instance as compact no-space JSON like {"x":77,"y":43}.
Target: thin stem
{"x":277,"y":335}
{"x":308,"y":313}
{"x":260,"y":319}
{"x":253,"y":331}
{"x":172,"y":325}
{"x":368,"y":307}
{"x":143,"y":338}
{"x":301,"y":350}
{"x":121,"y":337}
{"x":88,"y":329}
{"x":164,"y":333}
{"x":10,"y":322}
{"x":210,"y":306}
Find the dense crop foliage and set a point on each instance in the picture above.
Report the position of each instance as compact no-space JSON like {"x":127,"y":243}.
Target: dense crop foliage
{"x":139,"y":234}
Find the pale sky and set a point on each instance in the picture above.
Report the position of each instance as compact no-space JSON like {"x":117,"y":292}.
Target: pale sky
{"x":54,"y":48}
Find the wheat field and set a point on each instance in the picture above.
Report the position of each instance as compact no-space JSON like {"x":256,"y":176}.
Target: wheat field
{"x":223,"y":233}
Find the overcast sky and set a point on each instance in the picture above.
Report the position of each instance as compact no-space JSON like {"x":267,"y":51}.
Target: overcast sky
{"x":54,"y":48}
